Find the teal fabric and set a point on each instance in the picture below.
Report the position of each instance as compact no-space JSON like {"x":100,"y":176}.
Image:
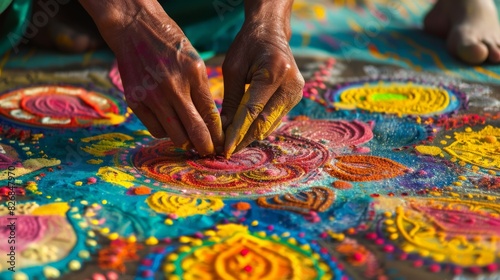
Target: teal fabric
{"x":4,"y":4}
{"x":210,"y":25}
{"x":12,"y":27}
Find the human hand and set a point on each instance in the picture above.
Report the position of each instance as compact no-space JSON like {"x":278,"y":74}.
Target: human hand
{"x":259,"y":56}
{"x":165,"y":81}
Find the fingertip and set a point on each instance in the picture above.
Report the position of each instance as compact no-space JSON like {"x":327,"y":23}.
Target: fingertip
{"x":204,"y":145}
{"x":232,"y":140}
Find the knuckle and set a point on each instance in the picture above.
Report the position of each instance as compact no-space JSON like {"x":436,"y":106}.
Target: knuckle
{"x":273,"y":70}
{"x":197,"y":67}
{"x":300,"y":81}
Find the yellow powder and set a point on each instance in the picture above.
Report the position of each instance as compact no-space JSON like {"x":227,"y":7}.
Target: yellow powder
{"x":429,"y":150}
{"x":394,"y":98}
{"x":163,"y":202}
{"x":106,"y":143}
{"x":479,"y":148}
{"x":58,"y":208}
{"x":94,"y":161}
{"x":115,"y":176}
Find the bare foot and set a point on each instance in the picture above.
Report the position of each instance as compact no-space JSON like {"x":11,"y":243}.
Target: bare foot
{"x":70,"y":30}
{"x":471,"y":28}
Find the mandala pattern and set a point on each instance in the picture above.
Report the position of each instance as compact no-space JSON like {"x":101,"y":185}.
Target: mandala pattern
{"x":378,"y":180}
{"x":61,"y":106}
{"x":393,"y":98}
{"x":262,"y":168}
{"x":236,"y":253}
{"x":465,"y":233}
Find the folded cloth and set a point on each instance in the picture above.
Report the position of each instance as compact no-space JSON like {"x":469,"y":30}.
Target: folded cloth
{"x":13,"y":19}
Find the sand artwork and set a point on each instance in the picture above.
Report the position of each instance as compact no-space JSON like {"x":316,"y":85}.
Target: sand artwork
{"x":371,"y":176}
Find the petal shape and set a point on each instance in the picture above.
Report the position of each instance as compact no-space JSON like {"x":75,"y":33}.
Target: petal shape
{"x":362,"y":168}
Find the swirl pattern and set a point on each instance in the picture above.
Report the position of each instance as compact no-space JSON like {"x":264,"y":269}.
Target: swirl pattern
{"x":396,"y":98}
{"x":316,"y":199}
{"x":461,"y":232}
{"x":62,"y":106}
{"x":236,"y":253}
{"x":479,"y":148}
{"x":258,"y":169}
{"x":59,"y":106}
{"x":364,"y":168}
{"x":27,"y":229}
{"x":163,"y":202}
{"x":338,"y":133}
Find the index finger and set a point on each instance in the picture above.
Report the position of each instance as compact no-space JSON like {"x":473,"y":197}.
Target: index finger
{"x":204,"y":103}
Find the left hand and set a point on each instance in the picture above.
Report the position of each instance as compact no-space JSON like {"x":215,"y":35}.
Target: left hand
{"x":260,"y":56}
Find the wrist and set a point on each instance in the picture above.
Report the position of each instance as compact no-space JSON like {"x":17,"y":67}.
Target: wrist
{"x":114,"y":16}
{"x":270,"y":15}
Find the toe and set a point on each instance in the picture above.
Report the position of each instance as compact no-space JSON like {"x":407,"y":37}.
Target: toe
{"x":493,"y":52}
{"x":475,"y":53}
{"x":470,"y":50}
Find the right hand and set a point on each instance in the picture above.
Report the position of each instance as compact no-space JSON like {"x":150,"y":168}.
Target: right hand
{"x":165,"y":81}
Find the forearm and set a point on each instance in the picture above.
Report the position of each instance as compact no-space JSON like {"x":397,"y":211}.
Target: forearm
{"x":113,"y":17}
{"x":270,"y":13}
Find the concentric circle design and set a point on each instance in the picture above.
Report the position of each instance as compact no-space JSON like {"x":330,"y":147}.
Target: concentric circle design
{"x":26,"y":230}
{"x":259,"y":169}
{"x":396,"y":98}
{"x":236,"y":253}
{"x":61,"y":107}
{"x":338,"y":133}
